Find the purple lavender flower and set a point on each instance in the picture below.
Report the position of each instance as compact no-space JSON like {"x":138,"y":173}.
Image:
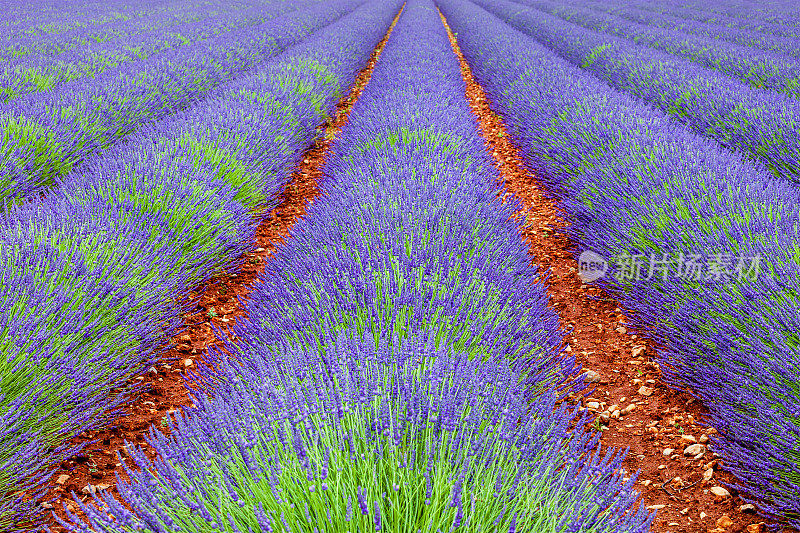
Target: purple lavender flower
{"x":377,"y":516}
{"x":362,"y":501}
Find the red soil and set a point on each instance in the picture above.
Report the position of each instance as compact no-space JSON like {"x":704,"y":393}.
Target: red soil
{"x":97,"y":464}
{"x":677,"y":484}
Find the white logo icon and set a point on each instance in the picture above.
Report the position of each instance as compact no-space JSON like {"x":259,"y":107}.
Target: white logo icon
{"x":591,"y":266}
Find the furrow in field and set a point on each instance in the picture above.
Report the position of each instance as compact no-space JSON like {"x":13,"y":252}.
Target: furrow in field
{"x":223,"y":295}
{"x":636,"y":190}
{"x":634,"y":408}
{"x":283,"y":113}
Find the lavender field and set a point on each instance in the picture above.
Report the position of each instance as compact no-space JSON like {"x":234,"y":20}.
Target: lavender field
{"x":448,"y":242}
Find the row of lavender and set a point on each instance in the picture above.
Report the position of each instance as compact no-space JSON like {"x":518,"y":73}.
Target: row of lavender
{"x":759,"y":124}
{"x":87,"y":56}
{"x":760,"y":69}
{"x":768,"y":41}
{"x":166,"y":15}
{"x":25,"y":20}
{"x":392,"y":349}
{"x":45,"y":136}
{"x":91,"y":275}
{"x":766,"y":18}
{"x":686,"y":222}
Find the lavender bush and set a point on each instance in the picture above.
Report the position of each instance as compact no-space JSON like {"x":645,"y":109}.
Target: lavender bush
{"x":757,"y":124}
{"x":414,"y":439}
{"x":759,"y":69}
{"x":410,"y":236}
{"x":117,"y":24}
{"x":633,"y":182}
{"x":85,"y":306}
{"x":46,"y":136}
{"x":87,"y":56}
{"x":22,"y":22}
{"x":769,"y":19}
{"x":767,"y":41}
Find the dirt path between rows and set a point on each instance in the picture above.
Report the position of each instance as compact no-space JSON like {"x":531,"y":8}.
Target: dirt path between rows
{"x":96,"y":466}
{"x":679,"y":476}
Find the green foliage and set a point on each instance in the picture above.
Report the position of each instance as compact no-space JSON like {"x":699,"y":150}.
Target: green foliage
{"x":243,"y":179}
{"x":28,"y":147}
{"x":327,"y":83}
{"x":413,"y":473}
{"x":29,"y":79}
{"x":21,"y":374}
{"x":187,"y":207}
{"x":389,"y":478}
{"x":594,"y":54}
{"x":441,"y":142}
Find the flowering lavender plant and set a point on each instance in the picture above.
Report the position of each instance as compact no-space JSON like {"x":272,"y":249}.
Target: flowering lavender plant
{"x":82,"y":310}
{"x":759,"y":69}
{"x":410,"y":236}
{"x":35,"y":65}
{"x":769,"y":31}
{"x":758,"y":124}
{"x":46,"y":136}
{"x":358,"y":438}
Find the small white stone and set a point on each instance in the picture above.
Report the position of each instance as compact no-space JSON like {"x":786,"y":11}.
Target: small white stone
{"x":591,"y":376}
{"x":694,"y":449}
{"x":721,"y":492}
